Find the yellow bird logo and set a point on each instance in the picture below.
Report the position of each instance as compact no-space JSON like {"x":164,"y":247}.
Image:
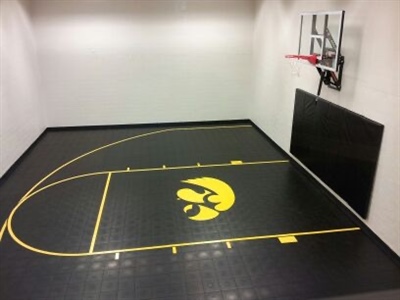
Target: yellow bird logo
{"x":216,"y":193}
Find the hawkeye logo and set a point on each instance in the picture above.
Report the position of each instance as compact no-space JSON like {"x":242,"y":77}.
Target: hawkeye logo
{"x":215,"y":197}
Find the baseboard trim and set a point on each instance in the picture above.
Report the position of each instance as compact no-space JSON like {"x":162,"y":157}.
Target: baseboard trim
{"x":153,"y":125}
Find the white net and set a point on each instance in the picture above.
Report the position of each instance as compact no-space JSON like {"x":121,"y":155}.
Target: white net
{"x":295,"y":66}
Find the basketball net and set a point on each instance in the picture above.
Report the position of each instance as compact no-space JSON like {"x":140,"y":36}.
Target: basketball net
{"x":295,"y":66}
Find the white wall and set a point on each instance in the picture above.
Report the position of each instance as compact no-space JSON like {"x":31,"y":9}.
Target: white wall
{"x":20,"y":116}
{"x":116,"y":62}
{"x":370,"y":85}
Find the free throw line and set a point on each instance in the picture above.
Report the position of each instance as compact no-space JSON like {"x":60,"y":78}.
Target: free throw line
{"x":103,"y":200}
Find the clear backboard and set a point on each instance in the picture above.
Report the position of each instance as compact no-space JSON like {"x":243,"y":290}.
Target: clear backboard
{"x":321,"y":37}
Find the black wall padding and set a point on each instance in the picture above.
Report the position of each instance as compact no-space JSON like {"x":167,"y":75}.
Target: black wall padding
{"x":339,"y":146}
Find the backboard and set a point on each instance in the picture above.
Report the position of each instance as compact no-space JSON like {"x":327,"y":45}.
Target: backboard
{"x":321,"y":35}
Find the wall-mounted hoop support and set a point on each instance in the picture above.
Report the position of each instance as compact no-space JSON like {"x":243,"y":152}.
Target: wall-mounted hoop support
{"x":330,"y":79}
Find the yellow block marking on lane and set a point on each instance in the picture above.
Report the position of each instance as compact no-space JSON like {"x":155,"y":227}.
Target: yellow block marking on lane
{"x":174,"y":250}
{"x":229,"y":245}
{"x":236,"y":162}
{"x":103,"y":200}
{"x":287,"y":239}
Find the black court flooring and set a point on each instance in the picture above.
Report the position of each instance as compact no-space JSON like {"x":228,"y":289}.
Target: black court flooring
{"x":210,"y":211}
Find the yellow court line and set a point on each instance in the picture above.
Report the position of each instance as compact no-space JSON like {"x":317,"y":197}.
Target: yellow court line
{"x":201,"y":166}
{"x":126,"y":140}
{"x":119,"y":172}
{"x":241,"y":239}
{"x":3,"y":229}
{"x":148,"y":170}
{"x":103,"y":200}
{"x":63,"y":181}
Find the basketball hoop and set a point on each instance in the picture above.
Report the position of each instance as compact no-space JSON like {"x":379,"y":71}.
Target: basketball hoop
{"x":294,"y":59}
{"x":319,"y":47}
{"x":312,"y":59}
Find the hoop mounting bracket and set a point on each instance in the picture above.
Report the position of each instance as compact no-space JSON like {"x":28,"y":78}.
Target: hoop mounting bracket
{"x":330,"y":78}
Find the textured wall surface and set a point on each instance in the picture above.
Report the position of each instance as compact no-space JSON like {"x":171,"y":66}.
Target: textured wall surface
{"x":370,"y":85}
{"x":124,"y":62}
{"x":20,"y":110}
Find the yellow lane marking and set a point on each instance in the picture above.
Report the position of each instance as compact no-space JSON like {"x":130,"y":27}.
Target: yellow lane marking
{"x":103,"y":200}
{"x":126,"y":140}
{"x":129,"y":171}
{"x":236,"y":162}
{"x":229,"y":245}
{"x":251,"y":238}
{"x":3,"y":229}
{"x":119,"y":172}
{"x":146,"y":170}
{"x":201,"y":166}
{"x":174,"y":250}
{"x":287,"y":239}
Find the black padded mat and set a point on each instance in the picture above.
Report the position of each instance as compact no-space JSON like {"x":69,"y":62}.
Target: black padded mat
{"x":339,"y":146}
{"x":142,"y":209}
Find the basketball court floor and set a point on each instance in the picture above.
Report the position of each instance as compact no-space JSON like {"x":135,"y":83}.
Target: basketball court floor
{"x":183,"y":211}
